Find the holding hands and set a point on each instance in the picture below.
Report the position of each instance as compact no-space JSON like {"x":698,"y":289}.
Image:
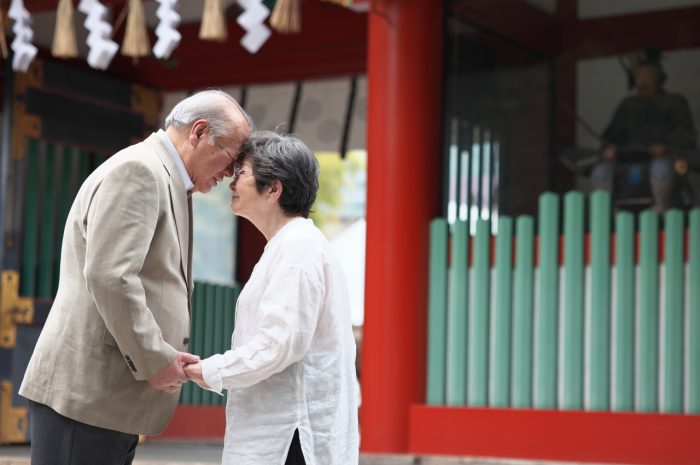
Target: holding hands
{"x":194,"y":372}
{"x":170,"y":378}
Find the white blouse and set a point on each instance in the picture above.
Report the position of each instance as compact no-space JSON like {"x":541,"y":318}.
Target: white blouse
{"x":292,"y":358}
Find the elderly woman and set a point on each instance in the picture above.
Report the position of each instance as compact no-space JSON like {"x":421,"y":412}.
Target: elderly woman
{"x":290,"y":371}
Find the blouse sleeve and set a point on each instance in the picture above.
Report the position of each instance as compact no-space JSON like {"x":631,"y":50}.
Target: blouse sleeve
{"x":289,"y":310}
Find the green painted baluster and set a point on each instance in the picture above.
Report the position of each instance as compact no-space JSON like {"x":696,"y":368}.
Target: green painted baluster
{"x":478,"y":351}
{"x":572,"y":316}
{"x":694,"y":314}
{"x":624,"y":315}
{"x":599,"y":333}
{"x":30,"y":239}
{"x":83,"y":167}
{"x":199,"y":311}
{"x":187,"y":394}
{"x":229,"y":308}
{"x":457,"y":317}
{"x":523,"y":286}
{"x":437,"y":313}
{"x":648,"y":345}
{"x":209,"y":325}
{"x":48,"y":222}
{"x":65,"y":200}
{"x":499,"y":373}
{"x":218,"y":336}
{"x":673,"y":313}
{"x":546,"y":318}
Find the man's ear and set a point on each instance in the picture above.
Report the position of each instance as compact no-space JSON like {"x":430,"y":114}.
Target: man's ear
{"x":197,"y":131}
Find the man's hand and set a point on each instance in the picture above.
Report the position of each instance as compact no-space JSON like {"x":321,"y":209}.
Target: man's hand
{"x":172,"y":376}
{"x":194,"y":372}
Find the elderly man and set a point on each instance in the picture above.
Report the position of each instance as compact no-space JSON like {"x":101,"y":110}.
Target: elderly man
{"x":108,"y":365}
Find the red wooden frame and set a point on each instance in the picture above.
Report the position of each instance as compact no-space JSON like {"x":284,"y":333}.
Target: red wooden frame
{"x":603,"y":437}
{"x":196,"y":422}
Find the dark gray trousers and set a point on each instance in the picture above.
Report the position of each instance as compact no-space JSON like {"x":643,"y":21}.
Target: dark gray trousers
{"x":58,"y":440}
{"x":295,"y":456}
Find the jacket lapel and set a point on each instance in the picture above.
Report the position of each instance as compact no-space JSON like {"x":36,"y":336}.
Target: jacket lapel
{"x":178,"y":201}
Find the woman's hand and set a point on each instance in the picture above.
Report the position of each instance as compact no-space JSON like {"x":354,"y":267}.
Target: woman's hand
{"x":194,"y":372}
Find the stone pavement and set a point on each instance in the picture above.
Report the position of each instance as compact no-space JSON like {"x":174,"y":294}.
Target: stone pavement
{"x":197,"y":453}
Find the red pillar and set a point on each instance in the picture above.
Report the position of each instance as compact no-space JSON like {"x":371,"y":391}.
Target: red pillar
{"x":404,"y":75}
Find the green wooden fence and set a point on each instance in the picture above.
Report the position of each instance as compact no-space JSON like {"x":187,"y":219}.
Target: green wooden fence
{"x":604,"y":319}
{"x":213,"y":308}
{"x":52,"y":178}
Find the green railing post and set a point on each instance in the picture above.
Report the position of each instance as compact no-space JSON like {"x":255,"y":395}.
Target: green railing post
{"x":648,"y":340}
{"x":437,"y":313}
{"x":209,"y":325}
{"x":572,"y":343}
{"x":30,"y":226}
{"x":673,"y":313}
{"x":694,"y":314}
{"x":546,"y":318}
{"x":478,"y":364}
{"x":219,"y":299}
{"x":48,"y":222}
{"x":199,"y":333}
{"x":523,"y":283}
{"x":624,"y":314}
{"x":457,"y":317}
{"x":65,"y":200}
{"x":599,"y":334}
{"x":499,"y":374}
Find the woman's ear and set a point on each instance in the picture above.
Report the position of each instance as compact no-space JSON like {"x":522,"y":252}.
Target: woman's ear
{"x":275,"y":191}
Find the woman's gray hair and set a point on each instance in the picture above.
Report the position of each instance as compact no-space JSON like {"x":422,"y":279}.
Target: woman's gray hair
{"x":287,"y":159}
{"x":210,"y":105}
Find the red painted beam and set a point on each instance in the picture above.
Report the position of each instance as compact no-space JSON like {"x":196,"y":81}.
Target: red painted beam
{"x":516,"y":20}
{"x":196,"y":422}
{"x":34,"y":6}
{"x":669,"y":29}
{"x":332,"y":42}
{"x":603,"y":437}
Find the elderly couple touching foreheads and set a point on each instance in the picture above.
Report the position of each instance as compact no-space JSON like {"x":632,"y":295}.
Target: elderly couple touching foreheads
{"x":112,"y":355}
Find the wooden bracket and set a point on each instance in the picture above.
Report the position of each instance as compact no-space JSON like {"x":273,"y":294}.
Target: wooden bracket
{"x":146,"y":101}
{"x":24,"y":126}
{"x":13,"y":420}
{"x":13,"y":309}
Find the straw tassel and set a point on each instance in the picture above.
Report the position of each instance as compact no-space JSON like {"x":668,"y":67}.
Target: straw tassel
{"x":3,"y":38}
{"x":136,"y":43}
{"x":286,"y":16}
{"x":64,"y":43}
{"x":213,"y":22}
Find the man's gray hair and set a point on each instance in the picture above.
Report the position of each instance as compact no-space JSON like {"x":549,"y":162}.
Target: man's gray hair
{"x":287,"y":159}
{"x":210,"y":105}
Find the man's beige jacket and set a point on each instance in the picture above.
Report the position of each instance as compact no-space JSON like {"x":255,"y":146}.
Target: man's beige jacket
{"x":122,"y":308}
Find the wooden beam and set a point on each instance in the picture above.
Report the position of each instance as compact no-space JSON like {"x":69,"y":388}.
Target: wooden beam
{"x":577,"y":436}
{"x":515,"y":20}
{"x":669,"y":29}
{"x":333,"y":42}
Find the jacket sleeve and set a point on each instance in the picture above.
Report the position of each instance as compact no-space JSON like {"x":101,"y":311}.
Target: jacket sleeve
{"x":289,"y":311}
{"x":121,"y":219}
